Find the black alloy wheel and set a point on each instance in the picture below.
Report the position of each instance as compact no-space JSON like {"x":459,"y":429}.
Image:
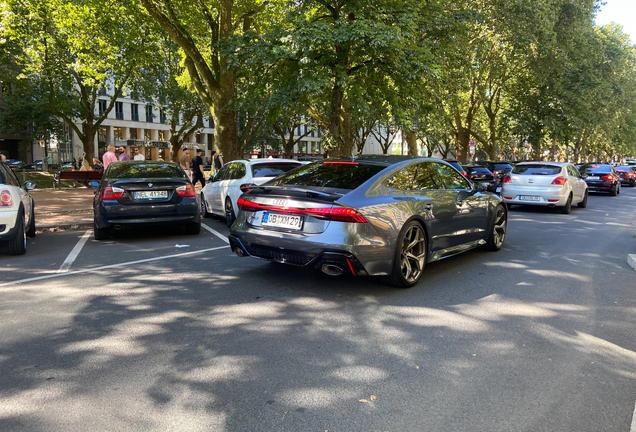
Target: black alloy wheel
{"x":17,"y":245}
{"x":229,"y":212}
{"x":204,"y":208}
{"x":567,"y":208}
{"x":632,"y":183}
{"x":613,"y":191}
{"x":583,"y":203}
{"x":410,"y":256}
{"x":498,"y":231}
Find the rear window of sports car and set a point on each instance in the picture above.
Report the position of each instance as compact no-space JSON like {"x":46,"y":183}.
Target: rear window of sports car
{"x":272,"y":169}
{"x":125,"y":170}
{"x":536,"y":169}
{"x":330,"y":175}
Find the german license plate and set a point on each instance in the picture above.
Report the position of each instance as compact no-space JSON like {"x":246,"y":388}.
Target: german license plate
{"x":529,"y":198}
{"x":593,"y":178}
{"x":282,"y":221}
{"x":498,"y":189}
{"x":151,"y":194}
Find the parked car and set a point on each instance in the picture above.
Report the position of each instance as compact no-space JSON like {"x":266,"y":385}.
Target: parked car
{"x":16,"y":164}
{"x":65,"y":166}
{"x":627,"y":175}
{"x":36,"y":165}
{"x":17,"y":215}
{"x":601,"y":178}
{"x":368,"y":215}
{"x":143,"y":193}
{"x":499,"y":169}
{"x":551,"y":184}
{"x":455,"y":164}
{"x":220,"y":196}
{"x":482,"y":175}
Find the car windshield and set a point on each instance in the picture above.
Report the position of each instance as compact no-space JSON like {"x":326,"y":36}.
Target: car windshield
{"x":596,"y":169}
{"x":272,"y":169}
{"x":330,"y":175}
{"x":131,"y":170}
{"x":504,"y":166}
{"x":536,"y":169}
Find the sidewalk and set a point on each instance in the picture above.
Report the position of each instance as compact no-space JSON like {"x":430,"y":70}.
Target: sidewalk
{"x":63,"y":209}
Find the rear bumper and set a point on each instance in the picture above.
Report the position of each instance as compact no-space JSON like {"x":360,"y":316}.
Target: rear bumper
{"x":553,"y":196}
{"x":170,"y":214}
{"x":8,"y":229}
{"x":599,"y":187}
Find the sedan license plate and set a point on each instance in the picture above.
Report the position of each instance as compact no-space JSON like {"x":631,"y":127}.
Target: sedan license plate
{"x":593,"y":178}
{"x":529,"y":198}
{"x":151,"y":194}
{"x":498,"y":189}
{"x":282,"y":221}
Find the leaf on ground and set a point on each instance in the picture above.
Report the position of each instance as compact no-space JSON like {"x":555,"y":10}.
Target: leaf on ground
{"x":417,"y":367}
{"x":363,"y":400}
{"x":374,"y":398}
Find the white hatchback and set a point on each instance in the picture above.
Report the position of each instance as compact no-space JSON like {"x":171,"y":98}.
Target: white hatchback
{"x":551,"y":184}
{"x":17,"y":217}
{"x":221,"y":194}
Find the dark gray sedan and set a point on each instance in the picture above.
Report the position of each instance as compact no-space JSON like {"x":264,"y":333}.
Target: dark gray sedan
{"x":370,"y":215}
{"x":141,"y":193}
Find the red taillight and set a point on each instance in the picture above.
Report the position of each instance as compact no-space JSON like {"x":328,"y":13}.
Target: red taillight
{"x":469,"y":176}
{"x":111,"y":193}
{"x":608,"y":177}
{"x":507,"y":179}
{"x":464,"y":173}
{"x":340,"y":214}
{"x":629,"y":174}
{"x":246,"y":187}
{"x":186,"y":191}
{"x":507,"y":197}
{"x":340,"y":163}
{"x":5,"y":198}
{"x":559,"y":181}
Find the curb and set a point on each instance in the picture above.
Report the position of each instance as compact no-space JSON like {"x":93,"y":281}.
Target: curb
{"x":631,"y":260}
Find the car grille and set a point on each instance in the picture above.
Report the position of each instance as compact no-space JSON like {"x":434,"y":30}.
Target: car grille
{"x":279,"y":255}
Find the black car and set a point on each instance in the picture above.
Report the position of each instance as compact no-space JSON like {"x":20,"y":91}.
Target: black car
{"x":601,"y":178}
{"x":16,"y":164}
{"x":141,"y":193}
{"x":627,"y":174}
{"x":455,"y":164}
{"x":482,"y":175}
{"x":499,"y":169}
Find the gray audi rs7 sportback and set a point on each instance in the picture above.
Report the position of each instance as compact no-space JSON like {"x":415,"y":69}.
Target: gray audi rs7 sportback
{"x":368,"y":215}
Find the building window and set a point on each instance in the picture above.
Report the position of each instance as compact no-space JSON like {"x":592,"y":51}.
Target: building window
{"x":315,"y":148}
{"x":102,"y":107}
{"x":210,"y":122}
{"x":102,"y":134}
{"x":149,"y":113}
{"x":147,"y":134}
{"x":302,"y":147}
{"x":132,"y":95}
{"x":162,"y":135}
{"x":133,"y":133}
{"x":134,"y":109}
{"x":199,"y":138}
{"x":162,"y":117}
{"x":118,"y":133}
{"x":102,"y":91}
{"x":119,"y":110}
{"x":306,"y":128}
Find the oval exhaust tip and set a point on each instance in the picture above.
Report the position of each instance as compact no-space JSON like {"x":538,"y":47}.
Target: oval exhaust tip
{"x":238,"y":251}
{"x":331,"y":269}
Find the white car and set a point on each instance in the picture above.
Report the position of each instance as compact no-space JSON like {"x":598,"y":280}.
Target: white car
{"x":550,"y":184}
{"x":17,"y":217}
{"x":220,"y":195}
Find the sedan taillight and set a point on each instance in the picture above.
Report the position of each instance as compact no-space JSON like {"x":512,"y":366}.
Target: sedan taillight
{"x":340,"y":214}
{"x":559,"y":181}
{"x":5,"y":198}
{"x":187,"y":191}
{"x":246,"y":187}
{"x":507,"y":179}
{"x":111,"y":193}
{"x":629,"y":174}
{"x":608,"y":177}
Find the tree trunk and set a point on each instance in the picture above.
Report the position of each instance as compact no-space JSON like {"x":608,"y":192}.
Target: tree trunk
{"x":88,"y":141}
{"x":461,"y":144}
{"x":411,"y":140}
{"x":226,"y":121}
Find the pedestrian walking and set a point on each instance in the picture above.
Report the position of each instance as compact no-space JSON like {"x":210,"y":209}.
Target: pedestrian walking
{"x":123,"y":155}
{"x":217,"y":160}
{"x":197,"y":169}
{"x":109,"y":157}
{"x":138,"y":155}
{"x":184,"y":162}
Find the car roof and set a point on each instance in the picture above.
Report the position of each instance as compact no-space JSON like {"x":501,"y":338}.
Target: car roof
{"x":544,"y":163}
{"x":384,"y":160}
{"x":267,"y":160}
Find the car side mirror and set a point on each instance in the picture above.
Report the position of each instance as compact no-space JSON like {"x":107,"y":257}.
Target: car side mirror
{"x":30,"y":185}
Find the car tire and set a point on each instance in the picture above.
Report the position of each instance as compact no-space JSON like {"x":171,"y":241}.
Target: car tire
{"x":583,"y":203}
{"x":632,"y":183}
{"x":31,"y":231}
{"x":498,"y":231}
{"x":204,"y":208}
{"x":230,"y":216}
{"x":411,"y":241}
{"x":567,"y":208}
{"x":17,"y":245}
{"x":613,"y":191}
{"x":193,"y":228}
{"x":101,"y":233}
{"x":618,"y":189}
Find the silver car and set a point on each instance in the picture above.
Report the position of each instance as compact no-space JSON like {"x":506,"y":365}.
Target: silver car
{"x":370,"y":215}
{"x":550,"y":184}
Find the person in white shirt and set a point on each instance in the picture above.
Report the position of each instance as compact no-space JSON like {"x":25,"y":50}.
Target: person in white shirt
{"x":138,"y":155}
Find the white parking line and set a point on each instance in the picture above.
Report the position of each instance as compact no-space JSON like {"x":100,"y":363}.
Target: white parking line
{"x":70,"y":259}
{"x":633,"y":427}
{"x":216,"y":233}
{"x":94,"y":269}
